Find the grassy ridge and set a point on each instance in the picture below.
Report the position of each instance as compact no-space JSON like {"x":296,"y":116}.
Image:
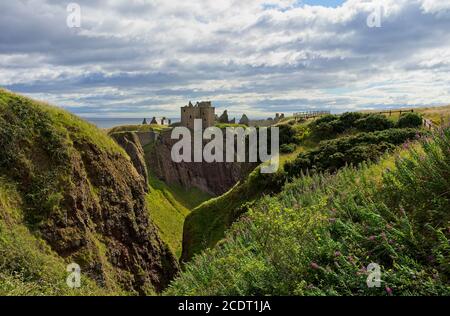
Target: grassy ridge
{"x":138,"y":128}
{"x":65,"y":186}
{"x":318,"y":236}
{"x":36,"y":141}
{"x":59,"y":120}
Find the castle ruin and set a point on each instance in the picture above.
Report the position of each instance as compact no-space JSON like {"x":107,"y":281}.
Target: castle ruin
{"x":202,"y":110}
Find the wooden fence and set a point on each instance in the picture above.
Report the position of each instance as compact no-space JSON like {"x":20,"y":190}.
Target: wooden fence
{"x":428,"y":124}
{"x":310,"y":114}
{"x":390,"y":112}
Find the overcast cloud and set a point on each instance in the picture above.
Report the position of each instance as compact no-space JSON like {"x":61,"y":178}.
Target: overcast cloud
{"x":143,"y":58}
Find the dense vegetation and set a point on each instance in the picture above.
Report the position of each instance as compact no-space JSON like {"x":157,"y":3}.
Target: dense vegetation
{"x":318,"y":236}
{"x":304,"y":147}
{"x":409,"y":120}
{"x":330,"y":126}
{"x":334,"y":154}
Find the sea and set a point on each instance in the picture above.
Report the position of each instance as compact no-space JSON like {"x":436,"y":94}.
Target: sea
{"x":108,"y":122}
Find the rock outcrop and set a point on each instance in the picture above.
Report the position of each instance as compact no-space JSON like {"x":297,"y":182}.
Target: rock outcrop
{"x":213,"y":178}
{"x":105,"y":203}
{"x":130,"y":142}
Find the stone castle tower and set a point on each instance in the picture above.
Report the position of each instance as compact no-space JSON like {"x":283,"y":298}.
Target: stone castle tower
{"x":202,"y":110}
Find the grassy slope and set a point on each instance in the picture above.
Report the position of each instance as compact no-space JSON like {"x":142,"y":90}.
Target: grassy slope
{"x":437,"y":114}
{"x":169,"y":205}
{"x":63,"y":122}
{"x":225,"y":125}
{"x":27,"y":265}
{"x":321,"y":232}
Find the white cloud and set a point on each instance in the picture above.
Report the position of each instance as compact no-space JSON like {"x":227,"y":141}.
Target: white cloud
{"x":131,"y":57}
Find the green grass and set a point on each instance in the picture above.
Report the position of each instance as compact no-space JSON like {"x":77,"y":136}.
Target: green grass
{"x":225,"y":125}
{"x":61,"y":121}
{"x":169,"y":205}
{"x":37,"y":142}
{"x":138,"y":128}
{"x":319,"y":234}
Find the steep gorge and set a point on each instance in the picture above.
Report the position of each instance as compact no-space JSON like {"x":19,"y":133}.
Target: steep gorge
{"x":150,"y":153}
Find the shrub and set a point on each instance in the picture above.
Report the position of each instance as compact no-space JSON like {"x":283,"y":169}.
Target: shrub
{"x":409,"y":120}
{"x":329,"y":126}
{"x":325,"y":119}
{"x":287,"y":134}
{"x":292,"y":134}
{"x":373,"y":122}
{"x":287,"y":148}
{"x":349,"y":118}
{"x":334,"y":154}
{"x":326,"y":126}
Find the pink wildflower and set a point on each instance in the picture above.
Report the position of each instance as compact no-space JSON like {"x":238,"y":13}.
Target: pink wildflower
{"x":314,"y":265}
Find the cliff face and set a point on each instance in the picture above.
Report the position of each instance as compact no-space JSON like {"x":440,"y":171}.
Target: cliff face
{"x":116,"y":211}
{"x":131,"y":144}
{"x":213,"y":178}
{"x":83,"y":195}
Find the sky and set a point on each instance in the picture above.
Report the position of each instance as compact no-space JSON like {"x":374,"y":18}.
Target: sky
{"x":148,"y":58}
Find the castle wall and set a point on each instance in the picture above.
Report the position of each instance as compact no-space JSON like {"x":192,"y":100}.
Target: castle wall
{"x":207,"y":116}
{"x":204,"y":112}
